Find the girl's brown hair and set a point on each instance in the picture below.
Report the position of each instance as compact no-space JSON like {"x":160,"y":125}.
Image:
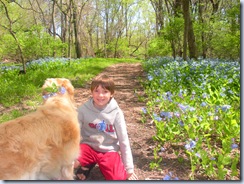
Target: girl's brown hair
{"x":105,"y":81}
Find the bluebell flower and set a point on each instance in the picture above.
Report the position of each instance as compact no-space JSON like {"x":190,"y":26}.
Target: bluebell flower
{"x":150,"y":78}
{"x":198,"y":155}
{"x":234,"y":146}
{"x":181,"y":123}
{"x":169,"y":95}
{"x":204,"y":95}
{"x":216,"y":117}
{"x":190,"y":145}
{"x":225,"y":107}
{"x":156,"y":117}
{"x":222,"y":94}
{"x":191,"y":108}
{"x":157,"y":100}
{"x":144,"y":110}
{"x":166,"y":114}
{"x":180,"y":94}
{"x":231,"y":92}
{"x":167,"y":177}
{"x":62,"y":90}
{"x":203,"y":104}
{"x":182,"y":107}
{"x":162,"y":149}
{"x":177,"y":114}
{"x":230,"y":81}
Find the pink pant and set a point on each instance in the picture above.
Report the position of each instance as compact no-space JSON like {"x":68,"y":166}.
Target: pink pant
{"x":110,"y":163}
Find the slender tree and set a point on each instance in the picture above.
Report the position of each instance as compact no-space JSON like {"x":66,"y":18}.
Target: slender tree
{"x":189,"y":37}
{"x":13,"y":33}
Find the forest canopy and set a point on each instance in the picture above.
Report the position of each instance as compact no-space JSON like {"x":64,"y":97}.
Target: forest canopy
{"x":32,"y":29}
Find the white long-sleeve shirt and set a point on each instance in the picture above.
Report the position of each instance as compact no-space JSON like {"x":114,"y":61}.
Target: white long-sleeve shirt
{"x":105,"y":130}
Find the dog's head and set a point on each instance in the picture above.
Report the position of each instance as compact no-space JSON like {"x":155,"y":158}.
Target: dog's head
{"x":57,"y":86}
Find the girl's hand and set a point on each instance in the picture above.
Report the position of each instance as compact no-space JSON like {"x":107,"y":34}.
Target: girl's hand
{"x":132,"y":176}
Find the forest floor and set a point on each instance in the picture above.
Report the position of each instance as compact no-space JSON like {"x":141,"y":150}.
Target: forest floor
{"x":127,"y":80}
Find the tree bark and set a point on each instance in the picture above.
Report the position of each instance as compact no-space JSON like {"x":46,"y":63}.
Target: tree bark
{"x":77,"y":40}
{"x":189,"y":37}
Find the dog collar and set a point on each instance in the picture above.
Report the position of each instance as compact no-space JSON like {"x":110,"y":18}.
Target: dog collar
{"x":62,"y":90}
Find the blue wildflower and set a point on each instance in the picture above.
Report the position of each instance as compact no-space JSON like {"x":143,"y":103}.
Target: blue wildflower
{"x":150,"y":78}
{"x":190,"y":145}
{"x":144,"y":110}
{"x":216,"y":117}
{"x":182,"y":107}
{"x":167,"y":177}
{"x":169,"y":95}
{"x":203,"y":104}
{"x":157,"y":100}
{"x":198,"y":155}
{"x":166,"y":114}
{"x":222,"y":94}
{"x":177,"y":114}
{"x":156,"y":117}
{"x":181,"y":123}
{"x":234,"y":146}
{"x":62,"y":90}
{"x":180,"y":94}
{"x":204,"y":95}
{"x":191,"y":108}
{"x":225,"y":107}
{"x":162,"y":149}
{"x":231,"y":92}
{"x":230,"y":81}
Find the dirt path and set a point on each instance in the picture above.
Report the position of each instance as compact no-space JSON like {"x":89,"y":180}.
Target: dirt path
{"x":126,"y":77}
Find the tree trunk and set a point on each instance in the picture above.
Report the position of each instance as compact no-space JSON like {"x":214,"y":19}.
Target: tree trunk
{"x":204,"y":48}
{"x":77,"y":40}
{"x":106,"y":41}
{"x":158,"y":8}
{"x":189,"y":37}
{"x":53,"y":25}
{"x":186,"y":19}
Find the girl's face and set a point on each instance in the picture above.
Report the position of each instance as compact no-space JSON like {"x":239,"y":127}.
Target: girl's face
{"x":101,"y":97}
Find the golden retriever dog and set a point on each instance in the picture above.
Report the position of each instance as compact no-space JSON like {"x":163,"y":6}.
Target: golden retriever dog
{"x":44,"y":144}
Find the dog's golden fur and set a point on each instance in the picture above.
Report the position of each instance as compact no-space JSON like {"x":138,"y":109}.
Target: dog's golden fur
{"x":43,"y":144}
